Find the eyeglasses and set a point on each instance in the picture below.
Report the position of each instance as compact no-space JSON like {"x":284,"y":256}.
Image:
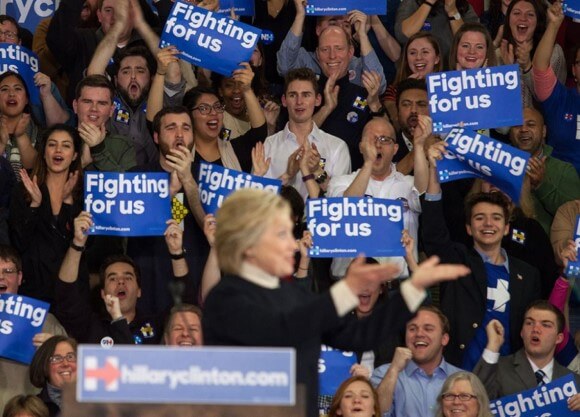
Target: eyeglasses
{"x":463,"y":397}
{"x":206,"y":108}
{"x":9,"y":34}
{"x":8,"y":272}
{"x":70,"y":357}
{"x":385,"y":140}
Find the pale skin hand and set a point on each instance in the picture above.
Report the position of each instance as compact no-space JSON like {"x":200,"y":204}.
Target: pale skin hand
{"x":173,"y":237}
{"x":423,"y":130}
{"x":523,"y":56}
{"x":42,"y":81}
{"x":165,"y":57}
{"x":495,"y":335}
{"x":359,"y":370}
{"x":92,"y":135}
{"x":310,"y":161}
{"x":331,"y":92}
{"x":209,"y":226}
{"x":82,"y":224}
{"x":271,"y":111}
{"x":40,"y":338}
{"x":22,"y":125}
{"x":568,"y":253}
{"x":113,"y":306}
{"x":294,"y":162}
{"x":180,"y":160}
{"x":371,"y":81}
{"x":32,"y":188}
{"x":435,"y":153}
{"x":69,"y":186}
{"x":430,"y":272}
{"x":305,"y":244}
{"x":260,"y":164}
{"x":359,"y":20}
{"x":401,"y":358}
{"x":369,"y":150}
{"x":409,"y":244}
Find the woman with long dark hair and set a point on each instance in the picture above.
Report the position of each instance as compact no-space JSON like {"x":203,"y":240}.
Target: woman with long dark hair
{"x":43,"y":209}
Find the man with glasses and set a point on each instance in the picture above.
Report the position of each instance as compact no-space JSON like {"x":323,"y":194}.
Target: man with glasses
{"x":14,"y":378}
{"x":409,"y":386}
{"x":8,"y":30}
{"x":379,"y":178}
{"x":533,"y":365}
{"x":322,"y":155}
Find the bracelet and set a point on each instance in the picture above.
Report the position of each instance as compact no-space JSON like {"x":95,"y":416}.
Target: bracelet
{"x":159,"y":73}
{"x":178,"y":256}
{"x":528,"y":70}
{"x":302,"y":269}
{"x":307,"y":177}
{"x":429,"y":4}
{"x":77,"y":247}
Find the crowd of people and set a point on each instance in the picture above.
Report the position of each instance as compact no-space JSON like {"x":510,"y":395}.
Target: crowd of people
{"x":477,"y":309}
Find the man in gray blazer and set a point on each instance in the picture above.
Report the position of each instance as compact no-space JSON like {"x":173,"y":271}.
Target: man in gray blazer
{"x":531,"y":366}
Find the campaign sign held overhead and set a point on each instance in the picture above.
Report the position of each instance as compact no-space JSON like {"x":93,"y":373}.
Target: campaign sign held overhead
{"x":20,"y":319}
{"x":204,"y":375}
{"x":216,"y":183}
{"x":128,"y":204}
{"x":549,"y":400}
{"x":208,"y":39}
{"x":475,"y":99}
{"x":572,"y":8}
{"x":241,"y":7}
{"x":573,"y":268}
{"x":471,"y":155}
{"x":333,"y":7}
{"x":343,"y":227}
{"x":333,"y":368}
{"x":23,"y":61}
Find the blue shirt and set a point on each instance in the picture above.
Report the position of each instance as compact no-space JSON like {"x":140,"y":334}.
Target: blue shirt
{"x":416,"y":392}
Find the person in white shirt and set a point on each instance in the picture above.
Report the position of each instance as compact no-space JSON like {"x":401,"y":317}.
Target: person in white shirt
{"x":323,"y":156}
{"x":379,"y":178}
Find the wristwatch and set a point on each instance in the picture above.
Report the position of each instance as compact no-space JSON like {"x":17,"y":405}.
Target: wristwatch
{"x":456,"y":16}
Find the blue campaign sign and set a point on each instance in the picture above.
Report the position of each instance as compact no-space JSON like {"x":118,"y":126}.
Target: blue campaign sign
{"x":571,"y":8}
{"x":29,"y":13}
{"x":20,"y":319}
{"x":207,"y":39}
{"x":128,"y":204}
{"x":479,"y":98}
{"x":333,"y":368}
{"x":241,"y":7}
{"x":208,"y":375}
{"x":341,"y":7}
{"x":216,"y":183}
{"x":343,"y":227}
{"x":545,"y":401}
{"x":23,"y":61}
{"x":471,"y":155}
{"x":573,"y":268}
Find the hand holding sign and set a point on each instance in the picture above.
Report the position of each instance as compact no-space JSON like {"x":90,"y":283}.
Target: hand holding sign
{"x":174,"y":238}
{"x":166,"y":56}
{"x":569,"y":253}
{"x":42,"y":81}
{"x":244,"y":76}
{"x":555,"y":14}
{"x":360,"y":370}
{"x":435,"y":153}
{"x":82,"y":224}
{"x":40,"y":338}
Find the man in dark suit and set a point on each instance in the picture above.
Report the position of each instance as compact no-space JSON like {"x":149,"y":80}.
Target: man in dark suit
{"x":499,"y":286}
{"x":531,"y":366}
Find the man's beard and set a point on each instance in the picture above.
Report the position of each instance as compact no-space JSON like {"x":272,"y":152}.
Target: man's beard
{"x":134,"y":103}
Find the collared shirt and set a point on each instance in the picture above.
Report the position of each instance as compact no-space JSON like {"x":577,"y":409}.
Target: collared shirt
{"x":548,"y":369}
{"x":415,"y":392}
{"x":395,"y":187}
{"x":505,"y":263}
{"x":333,"y":151}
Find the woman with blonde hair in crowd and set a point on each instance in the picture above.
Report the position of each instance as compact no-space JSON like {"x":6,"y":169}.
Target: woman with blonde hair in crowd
{"x":463,"y":393}
{"x":355,"y":397}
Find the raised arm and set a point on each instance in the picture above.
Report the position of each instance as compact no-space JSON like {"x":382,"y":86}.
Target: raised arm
{"x":255,"y":113}
{"x":53,"y":110}
{"x":545,"y":47}
{"x":69,"y":269}
{"x":386,"y":388}
{"x":359,"y":186}
{"x":166,"y":58}
{"x":145,"y":31}
{"x":107,"y":46}
{"x":422,"y":132}
{"x":388,"y":43}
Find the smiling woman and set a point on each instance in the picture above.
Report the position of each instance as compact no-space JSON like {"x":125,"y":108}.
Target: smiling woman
{"x":463,"y":395}
{"x":43,"y":208}
{"x":54,"y":364}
